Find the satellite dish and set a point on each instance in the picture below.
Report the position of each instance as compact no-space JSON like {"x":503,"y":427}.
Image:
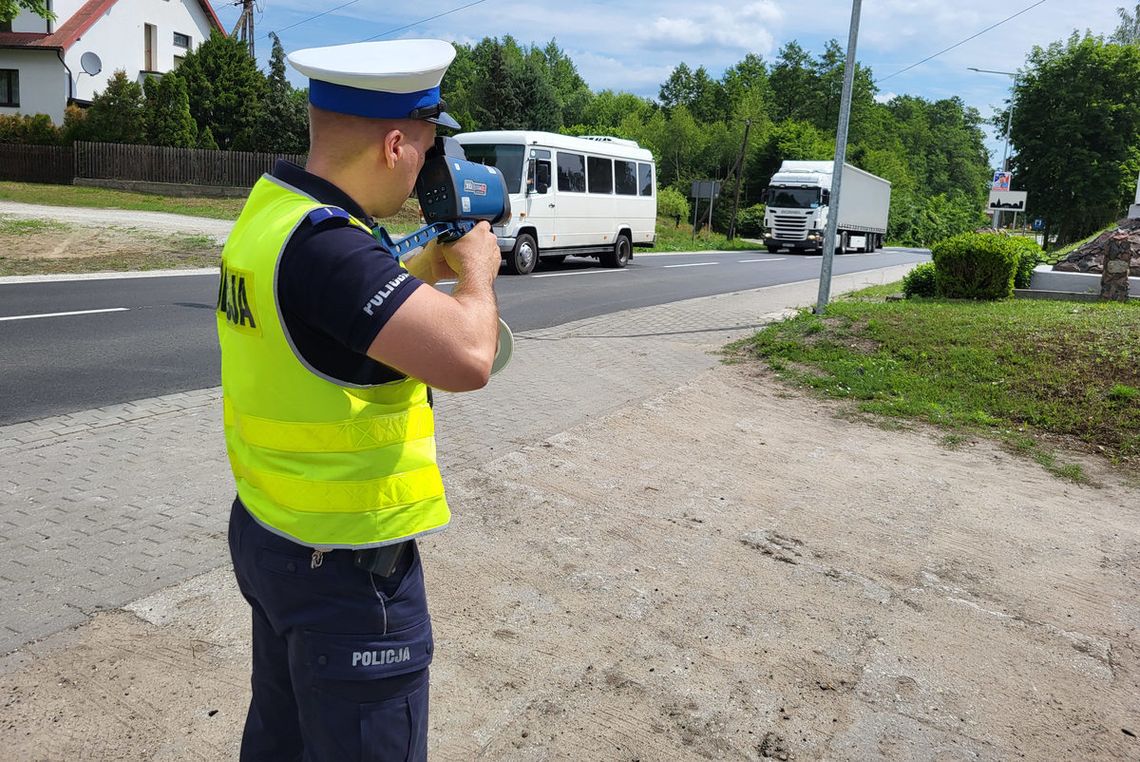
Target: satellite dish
{"x":91,"y":63}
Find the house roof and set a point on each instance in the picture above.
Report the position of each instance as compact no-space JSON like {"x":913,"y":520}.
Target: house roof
{"x":76,"y":26}
{"x":22,"y":39}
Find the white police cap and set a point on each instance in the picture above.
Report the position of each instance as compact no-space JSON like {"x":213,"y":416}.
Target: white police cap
{"x":395,"y":79}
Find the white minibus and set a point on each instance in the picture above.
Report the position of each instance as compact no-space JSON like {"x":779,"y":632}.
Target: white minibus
{"x":588,"y":196}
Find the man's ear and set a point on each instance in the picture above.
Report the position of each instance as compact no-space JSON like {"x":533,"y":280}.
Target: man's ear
{"x":391,"y":147}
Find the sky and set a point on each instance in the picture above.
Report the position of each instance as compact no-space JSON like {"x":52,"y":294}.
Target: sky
{"x":632,"y":45}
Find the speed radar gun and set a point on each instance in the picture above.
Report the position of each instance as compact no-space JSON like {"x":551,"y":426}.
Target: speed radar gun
{"x":455,"y":195}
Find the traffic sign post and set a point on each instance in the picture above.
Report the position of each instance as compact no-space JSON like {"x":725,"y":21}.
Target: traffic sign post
{"x":709,"y":189}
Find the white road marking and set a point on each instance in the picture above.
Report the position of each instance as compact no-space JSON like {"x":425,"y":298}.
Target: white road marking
{"x":65,"y":314}
{"x":772,"y":259}
{"x":579,"y":272}
{"x":693,"y":264}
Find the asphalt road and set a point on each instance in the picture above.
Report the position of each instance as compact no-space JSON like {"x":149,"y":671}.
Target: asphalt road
{"x":77,"y":344}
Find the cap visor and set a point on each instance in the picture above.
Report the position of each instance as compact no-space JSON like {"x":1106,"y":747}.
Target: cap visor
{"x":444,"y":120}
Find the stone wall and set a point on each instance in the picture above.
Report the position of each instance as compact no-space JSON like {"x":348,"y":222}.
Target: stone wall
{"x":1090,"y":257}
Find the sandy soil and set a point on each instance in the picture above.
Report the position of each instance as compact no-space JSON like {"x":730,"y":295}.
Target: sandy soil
{"x":729,"y":571}
{"x":71,"y":248}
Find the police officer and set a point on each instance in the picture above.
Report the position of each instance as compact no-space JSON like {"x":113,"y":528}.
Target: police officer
{"x":329,"y":345}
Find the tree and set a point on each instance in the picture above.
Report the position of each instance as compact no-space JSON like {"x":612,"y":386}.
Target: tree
{"x":168,"y":120}
{"x":747,"y":81}
{"x":498,"y":104}
{"x":10,"y":8}
{"x":1076,"y":133}
{"x":571,"y":90}
{"x":117,"y":114}
{"x":795,"y":90}
{"x":226,"y":91}
{"x":1128,"y":31}
{"x":283,"y":125}
{"x":679,"y":89}
{"x":206,"y":140}
{"x":541,"y":110}
{"x":459,"y":88}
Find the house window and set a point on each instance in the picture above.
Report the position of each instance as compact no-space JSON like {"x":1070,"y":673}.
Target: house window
{"x":181,"y":40}
{"x":150,"y":45}
{"x":9,"y":87}
{"x":178,"y":61}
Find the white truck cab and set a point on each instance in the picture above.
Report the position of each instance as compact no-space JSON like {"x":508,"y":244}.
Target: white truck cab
{"x":797,"y":204}
{"x":589,"y":196}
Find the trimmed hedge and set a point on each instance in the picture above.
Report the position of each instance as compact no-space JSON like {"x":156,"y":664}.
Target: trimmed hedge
{"x":919,"y":281}
{"x":1028,"y":257}
{"x":980,"y":265}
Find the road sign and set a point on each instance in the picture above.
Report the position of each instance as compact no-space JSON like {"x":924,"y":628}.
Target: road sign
{"x":1002,"y":181}
{"x":705,"y":189}
{"x":1007,"y":201}
{"x":1039,"y":224}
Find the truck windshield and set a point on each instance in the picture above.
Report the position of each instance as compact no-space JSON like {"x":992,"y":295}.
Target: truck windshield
{"x":508,"y":159}
{"x":793,"y":198}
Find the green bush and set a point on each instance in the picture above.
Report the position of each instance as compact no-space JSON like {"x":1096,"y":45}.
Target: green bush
{"x":27,"y":128}
{"x":975,"y":266}
{"x":672,"y":205}
{"x":1028,"y":257}
{"x":920,"y":281}
{"x":750,"y":221}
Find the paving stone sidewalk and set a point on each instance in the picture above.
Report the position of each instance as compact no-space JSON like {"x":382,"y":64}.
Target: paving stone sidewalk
{"x":102,"y":507}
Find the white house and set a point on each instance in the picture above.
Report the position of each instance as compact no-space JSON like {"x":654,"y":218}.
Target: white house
{"x":40,"y":61}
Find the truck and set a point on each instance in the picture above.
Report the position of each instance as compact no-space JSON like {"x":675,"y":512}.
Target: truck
{"x":593,"y":196}
{"x":796,"y":208}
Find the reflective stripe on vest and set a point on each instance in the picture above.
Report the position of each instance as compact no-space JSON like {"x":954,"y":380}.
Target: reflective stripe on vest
{"x":324,"y":463}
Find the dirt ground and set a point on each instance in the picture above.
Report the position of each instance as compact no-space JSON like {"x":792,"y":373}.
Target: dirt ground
{"x":729,"y":571}
{"x":34,"y":247}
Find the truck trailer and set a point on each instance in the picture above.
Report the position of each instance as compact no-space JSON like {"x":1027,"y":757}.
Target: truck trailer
{"x":797,"y":199}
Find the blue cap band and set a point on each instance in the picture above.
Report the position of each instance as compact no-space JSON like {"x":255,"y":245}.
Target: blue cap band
{"x":369,"y":103}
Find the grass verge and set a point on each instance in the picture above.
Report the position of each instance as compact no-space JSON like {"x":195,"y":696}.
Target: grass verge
{"x":405,"y":221}
{"x":671,"y":237}
{"x":1035,"y":374}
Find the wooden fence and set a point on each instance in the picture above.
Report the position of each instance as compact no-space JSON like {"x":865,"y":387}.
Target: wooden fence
{"x":179,"y":166}
{"x":134,"y":163}
{"x":37,"y":164}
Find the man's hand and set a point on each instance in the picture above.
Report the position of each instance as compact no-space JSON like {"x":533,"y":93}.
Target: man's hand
{"x":429,"y":265}
{"x":474,"y":258}
{"x":447,"y":341}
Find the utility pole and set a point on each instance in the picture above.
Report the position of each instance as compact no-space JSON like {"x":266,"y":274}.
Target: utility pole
{"x":840,"y":158}
{"x":739,"y":179}
{"x":243,"y":29}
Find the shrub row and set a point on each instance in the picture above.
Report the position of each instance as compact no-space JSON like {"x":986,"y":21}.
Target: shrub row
{"x":975,"y":266}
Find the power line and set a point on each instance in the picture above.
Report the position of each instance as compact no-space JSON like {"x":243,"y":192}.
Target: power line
{"x":424,"y":21}
{"x":963,"y":42}
{"x":311,"y":18}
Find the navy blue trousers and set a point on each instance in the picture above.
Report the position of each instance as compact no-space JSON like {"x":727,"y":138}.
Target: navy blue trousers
{"x":340,"y":655}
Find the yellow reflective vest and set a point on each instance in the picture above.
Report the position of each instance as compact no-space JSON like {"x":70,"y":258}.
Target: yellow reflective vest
{"x":321,"y":462}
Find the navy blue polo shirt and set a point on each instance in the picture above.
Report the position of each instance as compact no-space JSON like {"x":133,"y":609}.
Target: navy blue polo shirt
{"x":328,"y":281}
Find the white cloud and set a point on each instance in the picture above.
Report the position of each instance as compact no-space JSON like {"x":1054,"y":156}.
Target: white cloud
{"x":744,"y":27}
{"x":884,"y":97}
